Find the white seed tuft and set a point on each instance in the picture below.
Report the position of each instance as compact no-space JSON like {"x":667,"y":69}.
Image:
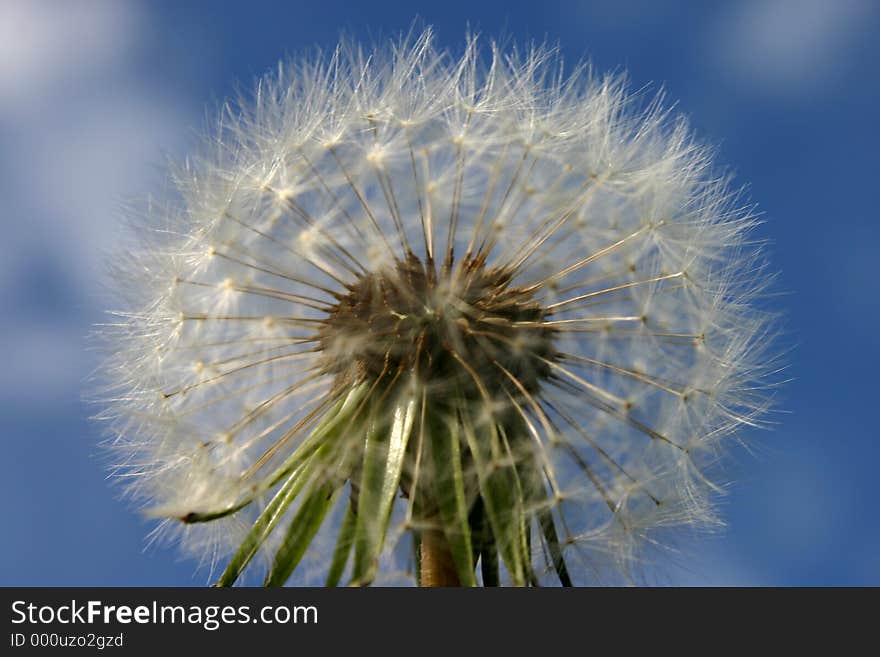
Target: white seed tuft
{"x":628,"y":352}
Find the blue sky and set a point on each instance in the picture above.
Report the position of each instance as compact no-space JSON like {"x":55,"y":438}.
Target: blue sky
{"x":94,"y":96}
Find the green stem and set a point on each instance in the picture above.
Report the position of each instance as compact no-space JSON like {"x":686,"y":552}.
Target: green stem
{"x":437,"y":567}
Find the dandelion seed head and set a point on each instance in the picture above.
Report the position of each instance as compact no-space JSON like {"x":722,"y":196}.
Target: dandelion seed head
{"x":534,"y":261}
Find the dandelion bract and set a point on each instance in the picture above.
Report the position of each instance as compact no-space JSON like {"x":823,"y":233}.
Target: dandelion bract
{"x":472,"y":319}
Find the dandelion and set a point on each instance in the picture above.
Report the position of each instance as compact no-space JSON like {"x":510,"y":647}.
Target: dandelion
{"x":451,"y":320}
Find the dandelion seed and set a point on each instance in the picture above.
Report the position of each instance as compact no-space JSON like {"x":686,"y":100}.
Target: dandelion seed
{"x":440,"y":320}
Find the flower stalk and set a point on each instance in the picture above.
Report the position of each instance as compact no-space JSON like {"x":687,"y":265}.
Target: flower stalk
{"x":437,"y":568}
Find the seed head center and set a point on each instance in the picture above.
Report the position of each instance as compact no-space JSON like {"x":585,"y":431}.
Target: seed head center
{"x":461,"y":329}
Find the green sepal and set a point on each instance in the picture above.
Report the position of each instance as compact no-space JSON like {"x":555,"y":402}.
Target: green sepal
{"x":484,"y":545}
{"x":501,"y":498}
{"x":302,"y":530}
{"x":548,"y":529}
{"x":343,"y":546}
{"x":264,"y":525}
{"x":536,"y":497}
{"x":333,"y":421}
{"x":380,"y":478}
{"x":449,"y":495}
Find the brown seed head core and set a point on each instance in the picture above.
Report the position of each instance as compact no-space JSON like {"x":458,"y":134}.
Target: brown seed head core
{"x":409,"y":318}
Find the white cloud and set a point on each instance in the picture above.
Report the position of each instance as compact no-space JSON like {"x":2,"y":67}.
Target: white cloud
{"x":83,"y":129}
{"x":786,"y":46}
{"x":80,"y":167}
{"x":44,"y":42}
